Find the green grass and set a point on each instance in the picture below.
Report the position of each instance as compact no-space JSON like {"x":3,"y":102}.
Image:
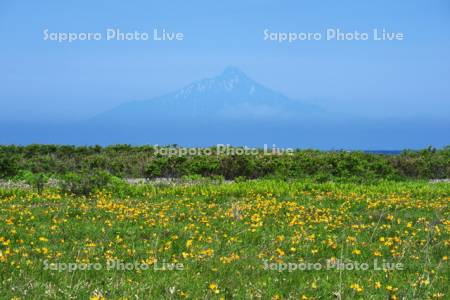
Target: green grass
{"x":223,"y":235}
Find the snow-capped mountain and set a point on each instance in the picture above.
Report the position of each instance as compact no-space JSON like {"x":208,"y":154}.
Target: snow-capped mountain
{"x":229,"y":96}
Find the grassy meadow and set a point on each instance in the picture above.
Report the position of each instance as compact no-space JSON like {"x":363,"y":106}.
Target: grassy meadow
{"x":256,"y":239}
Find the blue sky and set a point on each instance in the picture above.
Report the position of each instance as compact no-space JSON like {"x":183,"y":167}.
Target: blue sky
{"x":57,"y":82}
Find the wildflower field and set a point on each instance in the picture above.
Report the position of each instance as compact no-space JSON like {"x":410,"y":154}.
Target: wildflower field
{"x":258,"y":239}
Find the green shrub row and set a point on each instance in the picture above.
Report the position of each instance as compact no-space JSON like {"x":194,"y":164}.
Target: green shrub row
{"x":141,"y":162}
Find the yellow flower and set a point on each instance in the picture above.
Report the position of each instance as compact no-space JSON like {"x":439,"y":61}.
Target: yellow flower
{"x":391,"y":289}
{"x":356,"y":251}
{"x":227,"y":260}
{"x":255,"y":218}
{"x":356,"y":287}
{"x":214,"y":287}
{"x":183,"y":294}
{"x":188,"y":243}
{"x":280,"y":252}
{"x":377,"y":253}
{"x":43,"y":239}
{"x":425,"y":282}
{"x":377,"y":285}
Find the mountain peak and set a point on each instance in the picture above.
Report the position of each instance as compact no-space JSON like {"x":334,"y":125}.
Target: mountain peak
{"x":230,"y":80}
{"x":232,"y":72}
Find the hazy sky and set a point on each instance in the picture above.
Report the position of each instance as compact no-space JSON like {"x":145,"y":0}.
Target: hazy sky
{"x":51,"y":81}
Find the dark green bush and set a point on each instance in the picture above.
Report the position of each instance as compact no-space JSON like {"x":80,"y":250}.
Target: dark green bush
{"x":86,"y":182}
{"x":36,"y":180}
{"x":8,"y":165}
